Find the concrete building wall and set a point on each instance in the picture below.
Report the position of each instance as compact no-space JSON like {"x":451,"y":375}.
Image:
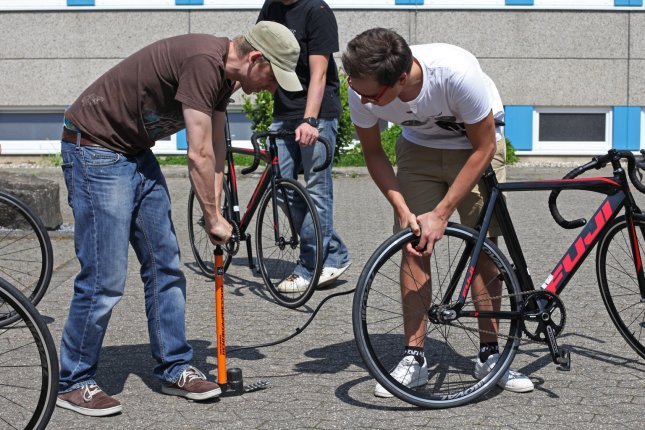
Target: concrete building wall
{"x":553,"y":58}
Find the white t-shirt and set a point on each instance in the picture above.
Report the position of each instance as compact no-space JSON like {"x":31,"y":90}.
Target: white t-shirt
{"x":455,"y":91}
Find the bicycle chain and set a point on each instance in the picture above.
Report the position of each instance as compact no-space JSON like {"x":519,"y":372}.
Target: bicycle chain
{"x":233,"y":245}
{"x":477,"y":330}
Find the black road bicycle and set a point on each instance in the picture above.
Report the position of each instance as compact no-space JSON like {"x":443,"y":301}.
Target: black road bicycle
{"x":28,"y":364}
{"x":26,"y":256}
{"x":454,"y":315}
{"x":277,"y":229}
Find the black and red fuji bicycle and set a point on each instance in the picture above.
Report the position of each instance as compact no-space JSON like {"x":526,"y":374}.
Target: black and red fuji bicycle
{"x":454,"y":315}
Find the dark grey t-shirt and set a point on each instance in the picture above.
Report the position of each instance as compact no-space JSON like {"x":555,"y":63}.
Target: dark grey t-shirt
{"x":314,"y":26}
{"x":140,"y":99}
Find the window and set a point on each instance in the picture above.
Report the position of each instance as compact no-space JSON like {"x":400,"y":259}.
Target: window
{"x":30,"y":132}
{"x":572,"y":130}
{"x":240,"y":126}
{"x":39,"y":132}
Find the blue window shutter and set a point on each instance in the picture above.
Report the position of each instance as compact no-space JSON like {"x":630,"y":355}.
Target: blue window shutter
{"x":519,"y":126}
{"x":80,"y":2}
{"x":181,"y":140}
{"x":408,"y":2}
{"x":627,"y":127}
{"x":519,"y":2}
{"x":628,"y":2}
{"x":189,"y":2}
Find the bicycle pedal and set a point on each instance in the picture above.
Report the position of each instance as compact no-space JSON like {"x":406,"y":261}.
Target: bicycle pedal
{"x":564,"y":360}
{"x":256,"y":386}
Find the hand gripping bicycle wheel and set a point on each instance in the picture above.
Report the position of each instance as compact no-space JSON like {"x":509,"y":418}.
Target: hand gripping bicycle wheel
{"x":383,"y":309}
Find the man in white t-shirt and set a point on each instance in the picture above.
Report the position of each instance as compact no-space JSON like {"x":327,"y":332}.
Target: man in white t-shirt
{"x":450,"y":112}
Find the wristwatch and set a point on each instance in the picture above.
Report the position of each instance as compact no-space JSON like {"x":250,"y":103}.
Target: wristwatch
{"x":311,"y":121}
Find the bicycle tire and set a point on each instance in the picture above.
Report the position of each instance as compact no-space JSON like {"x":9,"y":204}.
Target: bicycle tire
{"x":200,"y":243}
{"x":277,"y":259}
{"x":26,"y":255}
{"x":452,"y":347}
{"x":619,"y":286}
{"x":28,"y":365}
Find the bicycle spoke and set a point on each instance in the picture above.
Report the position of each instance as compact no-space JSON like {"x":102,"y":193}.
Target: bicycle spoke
{"x":382,"y":313}
{"x":618,"y":281}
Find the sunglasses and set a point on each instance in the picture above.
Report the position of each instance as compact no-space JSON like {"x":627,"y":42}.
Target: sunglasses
{"x":371,"y":98}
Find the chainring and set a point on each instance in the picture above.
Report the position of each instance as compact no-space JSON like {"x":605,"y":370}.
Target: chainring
{"x":542,"y":308}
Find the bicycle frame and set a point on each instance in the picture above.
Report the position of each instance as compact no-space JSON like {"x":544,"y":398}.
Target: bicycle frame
{"x":268,"y":179}
{"x":618,"y":197}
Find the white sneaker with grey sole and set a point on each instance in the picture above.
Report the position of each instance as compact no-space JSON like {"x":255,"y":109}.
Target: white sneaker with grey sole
{"x":511,"y":381}
{"x":293,"y":284}
{"x":330,"y":274}
{"x":408,"y":372}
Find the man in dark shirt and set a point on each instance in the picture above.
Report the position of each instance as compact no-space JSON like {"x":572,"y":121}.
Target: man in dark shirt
{"x":118,"y":194}
{"x":314,"y":110}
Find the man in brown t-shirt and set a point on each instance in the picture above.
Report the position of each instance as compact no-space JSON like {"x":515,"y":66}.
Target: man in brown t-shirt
{"x":118,"y":194}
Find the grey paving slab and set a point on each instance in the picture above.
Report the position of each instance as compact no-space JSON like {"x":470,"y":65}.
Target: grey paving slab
{"x":318,"y":380}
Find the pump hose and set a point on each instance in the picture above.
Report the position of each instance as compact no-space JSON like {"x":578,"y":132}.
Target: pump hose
{"x":298,"y":330}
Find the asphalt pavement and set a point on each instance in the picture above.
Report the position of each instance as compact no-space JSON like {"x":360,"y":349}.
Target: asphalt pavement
{"x":317,"y":379}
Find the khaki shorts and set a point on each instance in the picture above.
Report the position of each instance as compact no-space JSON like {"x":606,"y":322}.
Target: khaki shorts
{"x":424,"y":175}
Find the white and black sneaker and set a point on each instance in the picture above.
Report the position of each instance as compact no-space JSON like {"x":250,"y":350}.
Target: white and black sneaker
{"x":511,"y":381}
{"x":408,"y":372}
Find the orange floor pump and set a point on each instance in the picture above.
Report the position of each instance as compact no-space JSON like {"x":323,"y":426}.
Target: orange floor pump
{"x":229,"y":380}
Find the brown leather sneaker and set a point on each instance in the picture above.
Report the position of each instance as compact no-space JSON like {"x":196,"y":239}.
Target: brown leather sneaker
{"x":89,"y":400}
{"x":192,"y":384}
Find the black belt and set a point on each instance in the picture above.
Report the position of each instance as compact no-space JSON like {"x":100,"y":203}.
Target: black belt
{"x":71,"y":136}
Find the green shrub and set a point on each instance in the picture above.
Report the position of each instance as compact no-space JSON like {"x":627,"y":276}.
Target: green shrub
{"x":345,"y":137}
{"x":354,"y":156}
{"x":511,"y":157}
{"x":259,"y":109}
{"x":388,"y":141}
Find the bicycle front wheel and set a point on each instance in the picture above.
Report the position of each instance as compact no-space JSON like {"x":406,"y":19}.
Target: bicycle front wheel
{"x":281,"y":224}
{"x":383,"y":311}
{"x":200,"y":243}
{"x":28,"y":365}
{"x":26,"y":256}
{"x":615,"y":267}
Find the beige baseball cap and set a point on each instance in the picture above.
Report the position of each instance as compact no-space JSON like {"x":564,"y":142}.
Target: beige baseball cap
{"x":280,"y":47}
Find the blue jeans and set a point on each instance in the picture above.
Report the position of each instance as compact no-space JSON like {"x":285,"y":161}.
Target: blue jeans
{"x":116,"y":200}
{"x":293,"y":157}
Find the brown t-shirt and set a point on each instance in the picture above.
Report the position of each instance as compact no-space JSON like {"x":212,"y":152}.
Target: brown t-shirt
{"x":140,"y":99}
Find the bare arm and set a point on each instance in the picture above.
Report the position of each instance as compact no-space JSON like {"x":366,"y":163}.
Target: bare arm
{"x":206,"y":154}
{"x":382,"y":173}
{"x":306,"y":134}
{"x":433,"y":224}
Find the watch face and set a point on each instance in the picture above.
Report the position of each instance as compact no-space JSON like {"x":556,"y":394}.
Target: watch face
{"x":311,"y":121}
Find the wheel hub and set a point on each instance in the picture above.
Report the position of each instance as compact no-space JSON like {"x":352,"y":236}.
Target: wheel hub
{"x":441,"y":314}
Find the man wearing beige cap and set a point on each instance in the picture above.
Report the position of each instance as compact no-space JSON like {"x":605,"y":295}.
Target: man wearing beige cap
{"x":119,"y":196}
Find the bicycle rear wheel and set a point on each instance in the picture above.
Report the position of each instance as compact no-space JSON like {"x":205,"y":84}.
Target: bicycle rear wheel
{"x":28,"y":365}
{"x":200,"y":243}
{"x":278,"y":240}
{"x":451,"y":347}
{"x":26,"y":256}
{"x":618,"y":282}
